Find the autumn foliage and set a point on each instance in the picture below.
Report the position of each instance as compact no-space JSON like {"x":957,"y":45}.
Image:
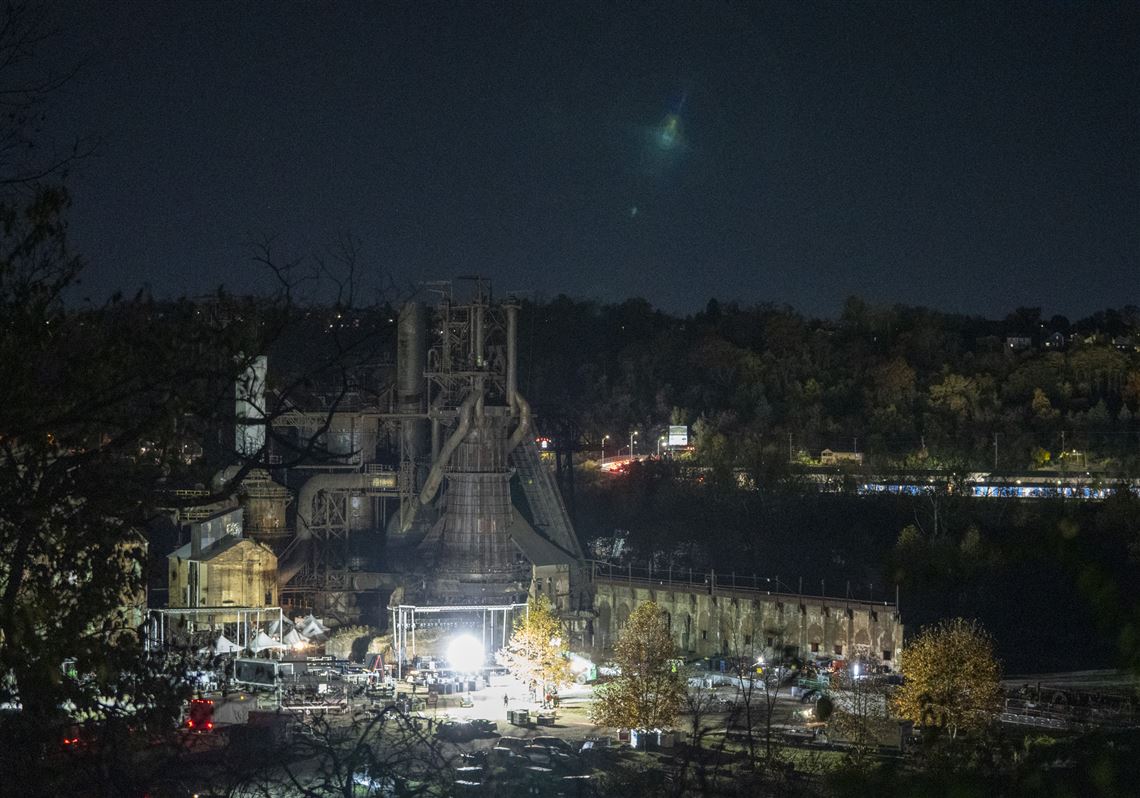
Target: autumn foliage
{"x":952,"y":680}
{"x":536,"y":653}
{"x":648,"y":692}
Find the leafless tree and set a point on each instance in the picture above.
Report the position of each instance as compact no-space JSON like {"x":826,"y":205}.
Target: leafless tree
{"x":96,"y":406}
{"x":28,"y":156}
{"x":759,"y":681}
{"x":701,"y":703}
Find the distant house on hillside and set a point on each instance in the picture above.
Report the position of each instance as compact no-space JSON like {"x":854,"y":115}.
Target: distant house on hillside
{"x":831,"y":457}
{"x":1018,"y":342}
{"x":1055,"y":341}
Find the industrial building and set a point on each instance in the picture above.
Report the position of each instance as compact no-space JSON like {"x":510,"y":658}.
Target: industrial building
{"x":220,"y":567}
{"x":427,"y":494}
{"x":428,"y":504}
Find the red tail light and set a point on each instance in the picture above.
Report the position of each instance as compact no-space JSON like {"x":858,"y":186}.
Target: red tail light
{"x":209,"y":724}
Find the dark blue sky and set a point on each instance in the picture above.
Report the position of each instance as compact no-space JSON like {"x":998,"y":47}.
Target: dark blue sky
{"x":966,"y":156}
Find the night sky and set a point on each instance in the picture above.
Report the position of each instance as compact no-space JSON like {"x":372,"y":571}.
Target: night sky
{"x":966,"y":156}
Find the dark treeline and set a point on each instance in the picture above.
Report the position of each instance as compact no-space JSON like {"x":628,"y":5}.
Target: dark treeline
{"x":908,"y":387}
{"x":1048,"y":578}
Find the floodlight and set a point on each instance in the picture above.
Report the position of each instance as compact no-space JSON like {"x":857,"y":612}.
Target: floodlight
{"x":465,"y":654}
{"x":579,"y":664}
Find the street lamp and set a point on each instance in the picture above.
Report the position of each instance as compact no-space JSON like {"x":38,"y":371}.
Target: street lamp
{"x":660,"y":441}
{"x":632,"y":435}
{"x":604,"y":439}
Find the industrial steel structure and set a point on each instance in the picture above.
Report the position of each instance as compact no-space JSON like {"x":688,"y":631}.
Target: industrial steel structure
{"x":430,"y":505}
{"x":431,"y":494}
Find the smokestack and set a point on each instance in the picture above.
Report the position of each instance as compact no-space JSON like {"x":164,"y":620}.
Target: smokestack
{"x":249,"y":409}
{"x":411,"y":356}
{"x":512,"y":355}
{"x":411,"y":360}
{"x":477,"y":335}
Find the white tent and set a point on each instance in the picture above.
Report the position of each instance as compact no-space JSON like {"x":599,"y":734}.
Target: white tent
{"x":224,"y":645}
{"x":263,"y":642}
{"x":278,"y":628}
{"x":294,"y":639}
{"x":311,"y":627}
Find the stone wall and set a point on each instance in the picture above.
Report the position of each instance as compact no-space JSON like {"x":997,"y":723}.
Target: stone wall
{"x":709,"y":621}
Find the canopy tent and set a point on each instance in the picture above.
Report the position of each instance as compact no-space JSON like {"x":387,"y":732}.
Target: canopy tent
{"x":223,"y":645}
{"x":311,"y":627}
{"x":278,"y":628}
{"x":294,"y":639}
{"x":263,"y":642}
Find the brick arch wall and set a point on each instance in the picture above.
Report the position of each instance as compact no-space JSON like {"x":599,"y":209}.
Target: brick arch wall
{"x":831,"y":622}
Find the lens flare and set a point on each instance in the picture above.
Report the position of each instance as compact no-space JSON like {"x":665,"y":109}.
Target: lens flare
{"x":669,"y":133}
{"x":465,"y":653}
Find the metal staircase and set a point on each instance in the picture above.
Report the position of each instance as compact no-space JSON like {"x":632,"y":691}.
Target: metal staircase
{"x":542,"y":494}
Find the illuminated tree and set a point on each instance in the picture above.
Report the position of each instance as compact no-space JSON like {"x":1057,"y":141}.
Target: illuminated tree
{"x":956,"y":394}
{"x":952,"y":680}
{"x":1042,"y":408}
{"x":536,"y":653}
{"x":649,"y":690}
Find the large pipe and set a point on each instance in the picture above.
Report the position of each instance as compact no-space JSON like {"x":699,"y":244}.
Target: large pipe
{"x":288,"y":568}
{"x":477,"y":333}
{"x":512,"y":355}
{"x":224,"y":477}
{"x":435,"y":477}
{"x":331,"y":482}
{"x":523,"y":427}
{"x":436,"y":438}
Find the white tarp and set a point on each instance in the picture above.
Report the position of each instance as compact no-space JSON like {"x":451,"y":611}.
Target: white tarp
{"x":224,"y":645}
{"x":294,"y":639}
{"x":263,"y":642}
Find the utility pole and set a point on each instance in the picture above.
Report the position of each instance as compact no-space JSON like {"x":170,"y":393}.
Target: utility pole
{"x":790,"y":458}
{"x":995,"y":450}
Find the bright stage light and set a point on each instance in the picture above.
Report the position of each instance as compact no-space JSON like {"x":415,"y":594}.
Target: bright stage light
{"x":579,"y":664}
{"x":465,"y":654}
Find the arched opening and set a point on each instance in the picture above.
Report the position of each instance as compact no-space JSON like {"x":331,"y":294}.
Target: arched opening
{"x":815,"y":639}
